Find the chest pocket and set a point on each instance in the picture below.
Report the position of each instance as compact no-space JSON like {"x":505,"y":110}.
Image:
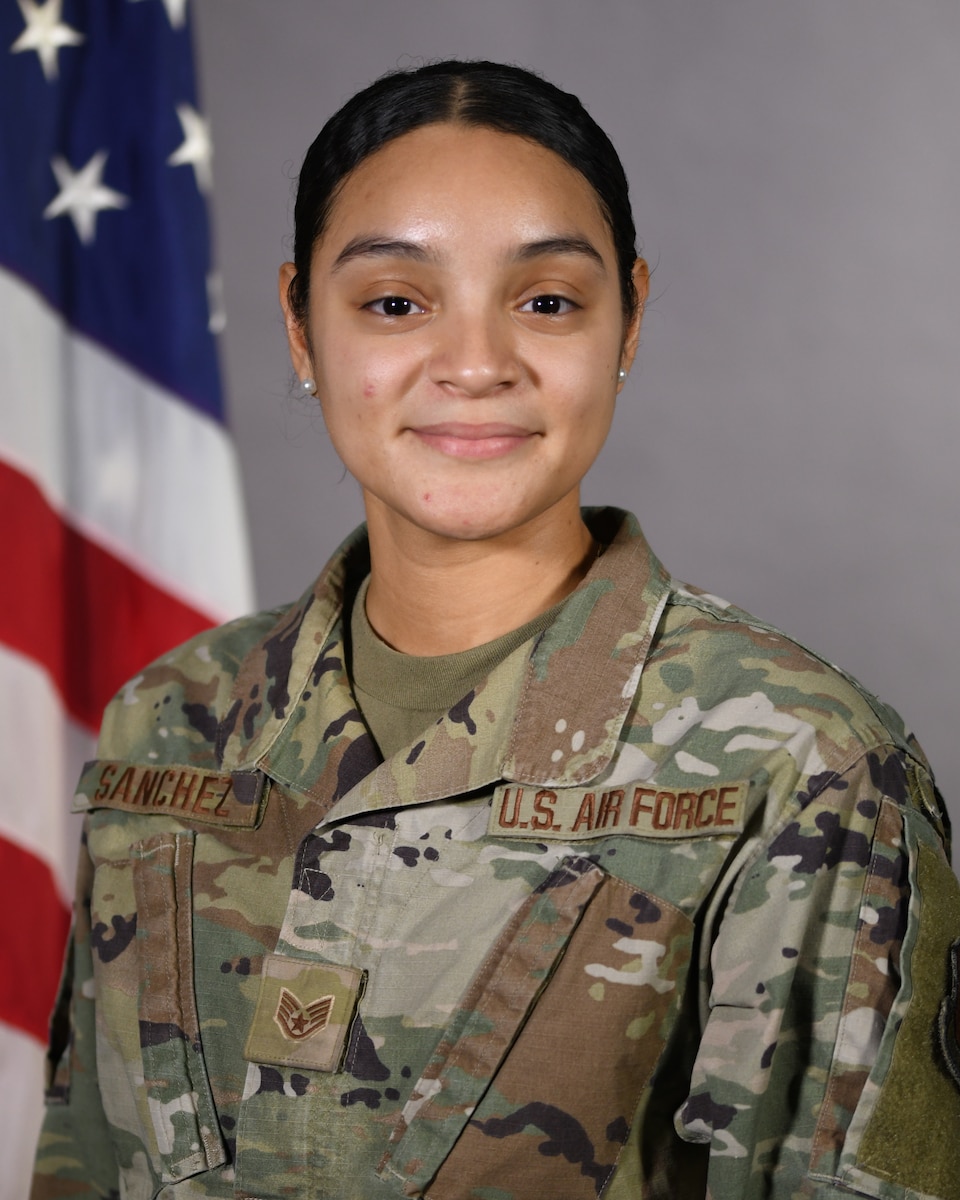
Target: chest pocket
{"x":150,"y":1063}
{"x":535,"y":1084}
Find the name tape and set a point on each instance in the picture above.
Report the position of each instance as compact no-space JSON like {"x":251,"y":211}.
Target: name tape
{"x":635,"y":810}
{"x":184,"y":792}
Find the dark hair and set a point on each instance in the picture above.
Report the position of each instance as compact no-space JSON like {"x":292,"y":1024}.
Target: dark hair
{"x":501,"y":97}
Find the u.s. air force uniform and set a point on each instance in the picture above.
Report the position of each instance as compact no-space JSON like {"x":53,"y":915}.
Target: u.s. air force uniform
{"x":661,"y":908}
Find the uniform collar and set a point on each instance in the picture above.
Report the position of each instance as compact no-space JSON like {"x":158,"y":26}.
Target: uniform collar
{"x":293,"y":714}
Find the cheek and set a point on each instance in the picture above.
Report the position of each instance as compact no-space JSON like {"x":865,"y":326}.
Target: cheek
{"x":591,"y":403}
{"x":356,"y":431}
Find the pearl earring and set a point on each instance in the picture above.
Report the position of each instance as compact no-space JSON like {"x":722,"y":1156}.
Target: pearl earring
{"x":309,"y":387}
{"x":621,"y":374}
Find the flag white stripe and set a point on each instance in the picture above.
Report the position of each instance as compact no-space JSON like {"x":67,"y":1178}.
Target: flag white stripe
{"x":41,"y":769}
{"x":132,"y":467}
{"x":21,"y":1108}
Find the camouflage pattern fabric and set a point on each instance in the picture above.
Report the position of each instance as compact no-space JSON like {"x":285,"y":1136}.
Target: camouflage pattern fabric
{"x":662,"y":908}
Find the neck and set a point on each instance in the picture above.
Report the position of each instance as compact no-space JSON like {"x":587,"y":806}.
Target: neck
{"x":431,"y":595}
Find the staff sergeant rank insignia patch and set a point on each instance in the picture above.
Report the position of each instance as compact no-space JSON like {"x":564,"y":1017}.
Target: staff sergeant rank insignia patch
{"x":299,"y":1021}
{"x":636,"y":810}
{"x":303,"y":1013}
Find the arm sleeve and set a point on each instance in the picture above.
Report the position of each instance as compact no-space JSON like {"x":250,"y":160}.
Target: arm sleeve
{"x":829,"y":1065}
{"x":75,"y":1153}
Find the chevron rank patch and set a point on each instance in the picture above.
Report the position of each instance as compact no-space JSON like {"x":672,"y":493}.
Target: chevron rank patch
{"x":300,"y":1021}
{"x":304,"y":1012}
{"x":636,"y":810}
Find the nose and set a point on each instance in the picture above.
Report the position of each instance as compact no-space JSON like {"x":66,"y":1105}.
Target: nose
{"x":475,"y":353}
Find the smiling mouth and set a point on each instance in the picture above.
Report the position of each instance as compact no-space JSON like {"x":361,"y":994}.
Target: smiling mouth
{"x":462,"y":440}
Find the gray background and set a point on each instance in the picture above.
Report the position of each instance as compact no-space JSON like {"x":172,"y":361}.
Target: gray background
{"x":789,"y":434}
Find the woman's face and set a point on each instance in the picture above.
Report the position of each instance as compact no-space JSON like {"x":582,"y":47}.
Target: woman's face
{"x":465,"y":331}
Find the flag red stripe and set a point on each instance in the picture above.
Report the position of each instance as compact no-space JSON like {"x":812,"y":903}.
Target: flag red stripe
{"x":33,"y":929}
{"x":79,"y":611}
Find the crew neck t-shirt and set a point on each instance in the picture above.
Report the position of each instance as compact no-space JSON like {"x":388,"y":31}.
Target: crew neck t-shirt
{"x":400,"y":695}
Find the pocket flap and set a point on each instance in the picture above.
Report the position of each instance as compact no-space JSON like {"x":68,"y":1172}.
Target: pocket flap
{"x":490,"y":1016}
{"x":506,"y":1095}
{"x":175,"y":1077}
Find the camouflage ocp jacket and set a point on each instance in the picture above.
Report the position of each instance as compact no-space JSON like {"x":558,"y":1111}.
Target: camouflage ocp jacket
{"x":671,"y":918}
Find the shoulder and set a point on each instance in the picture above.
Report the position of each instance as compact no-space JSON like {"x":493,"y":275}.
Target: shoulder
{"x":174,"y":709}
{"x":732,"y":654}
{"x":726,"y":697}
{"x":204,"y":703}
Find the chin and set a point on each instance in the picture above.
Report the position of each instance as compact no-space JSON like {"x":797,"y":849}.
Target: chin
{"x":465,"y":529}
{"x":467,"y":524}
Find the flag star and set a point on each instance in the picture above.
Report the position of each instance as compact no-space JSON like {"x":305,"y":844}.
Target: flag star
{"x":176,"y":12}
{"x":83,"y":194}
{"x":217,"y":321}
{"x":45,"y":33}
{"x":196,"y":148}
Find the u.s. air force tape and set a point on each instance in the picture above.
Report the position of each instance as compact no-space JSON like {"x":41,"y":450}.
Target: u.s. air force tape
{"x":522,"y":811}
{"x":189,"y":793}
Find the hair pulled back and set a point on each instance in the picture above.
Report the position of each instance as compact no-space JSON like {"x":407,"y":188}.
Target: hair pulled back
{"x":501,"y":97}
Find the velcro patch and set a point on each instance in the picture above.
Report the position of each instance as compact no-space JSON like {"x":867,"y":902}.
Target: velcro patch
{"x":636,"y":810}
{"x":185,"y":792}
{"x":303,"y":1013}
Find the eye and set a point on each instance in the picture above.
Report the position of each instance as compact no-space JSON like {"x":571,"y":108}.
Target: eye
{"x":393,"y":306}
{"x":548,"y":306}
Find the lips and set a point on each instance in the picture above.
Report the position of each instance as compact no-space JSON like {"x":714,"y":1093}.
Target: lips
{"x":461,"y":439}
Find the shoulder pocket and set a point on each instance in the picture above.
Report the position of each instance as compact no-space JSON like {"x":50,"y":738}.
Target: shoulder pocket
{"x":535,"y":1082}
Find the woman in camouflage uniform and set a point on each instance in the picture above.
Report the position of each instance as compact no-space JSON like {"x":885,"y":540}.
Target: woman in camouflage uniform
{"x":501,"y":864}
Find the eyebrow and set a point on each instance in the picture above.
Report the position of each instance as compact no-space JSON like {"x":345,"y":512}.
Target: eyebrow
{"x":560,"y":245}
{"x":373,"y":246}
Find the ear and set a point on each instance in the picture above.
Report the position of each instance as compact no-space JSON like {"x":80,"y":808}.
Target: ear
{"x":631,"y":337}
{"x":296,"y":332}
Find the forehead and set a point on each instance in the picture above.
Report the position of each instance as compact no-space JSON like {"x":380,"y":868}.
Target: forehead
{"x":447,"y":178}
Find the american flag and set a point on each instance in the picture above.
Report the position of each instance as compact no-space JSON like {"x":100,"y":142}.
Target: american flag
{"x":122,"y":526}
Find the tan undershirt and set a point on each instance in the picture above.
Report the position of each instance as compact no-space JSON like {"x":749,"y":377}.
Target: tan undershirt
{"x":400,"y":695}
